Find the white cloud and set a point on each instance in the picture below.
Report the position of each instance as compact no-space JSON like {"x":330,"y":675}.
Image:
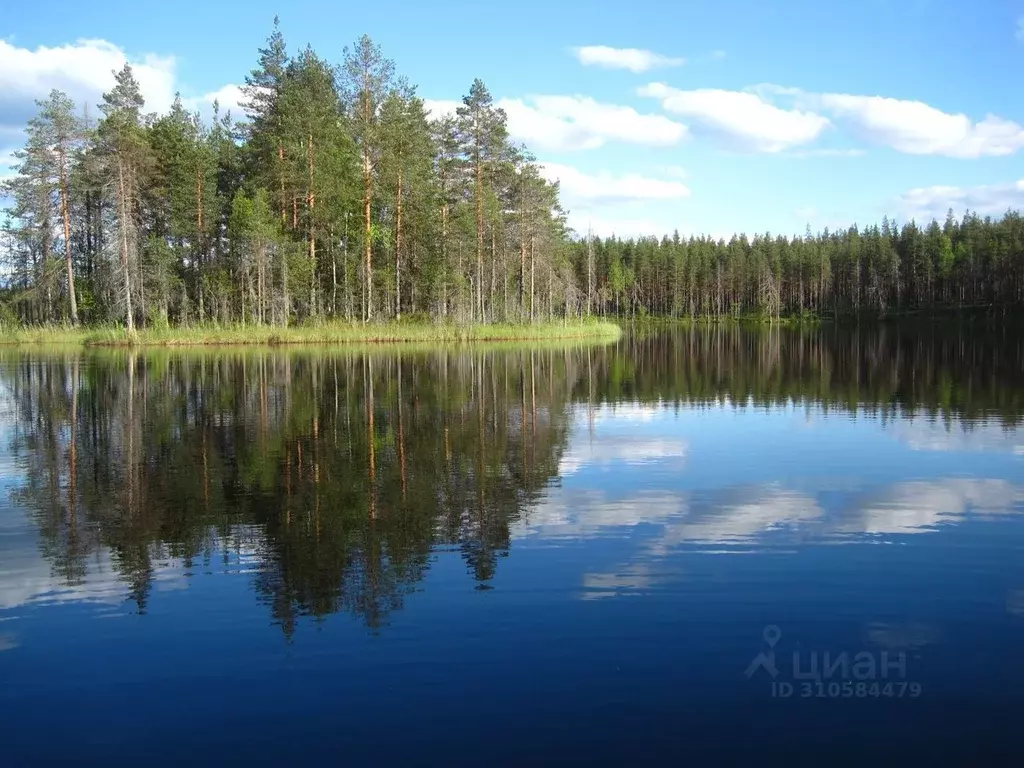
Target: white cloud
{"x":1020,"y":29}
{"x":908,"y":126}
{"x":635,"y":60}
{"x":613,"y":204}
{"x":565,"y":123}
{"x":926,"y":203}
{"x":84,"y":70}
{"x":439,"y":108}
{"x":916,"y":128}
{"x":622,"y":227}
{"x":229,"y":98}
{"x":744,"y":118}
{"x":606,"y":187}
{"x":579,"y":122}
{"x":808,"y":213}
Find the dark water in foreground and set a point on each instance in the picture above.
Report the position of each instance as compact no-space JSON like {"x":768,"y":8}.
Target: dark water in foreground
{"x":564,"y":555}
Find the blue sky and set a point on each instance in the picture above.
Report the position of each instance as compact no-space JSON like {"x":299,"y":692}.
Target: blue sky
{"x":732,"y":115}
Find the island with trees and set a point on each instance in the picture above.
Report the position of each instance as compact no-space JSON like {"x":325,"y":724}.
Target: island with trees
{"x":337,"y":208}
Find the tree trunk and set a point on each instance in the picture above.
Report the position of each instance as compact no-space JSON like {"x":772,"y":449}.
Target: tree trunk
{"x":490,"y":293}
{"x":311,"y":202}
{"x":124,"y":246}
{"x":367,"y":200}
{"x":522,"y":254}
{"x":533,"y":266}
{"x":286,"y":311}
{"x":479,"y":229}
{"x":65,"y":209}
{"x":280,"y":161}
{"x":444,"y":260}
{"x":398,"y":249}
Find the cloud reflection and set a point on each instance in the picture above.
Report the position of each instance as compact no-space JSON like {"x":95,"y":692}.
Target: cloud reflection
{"x":922,"y":434}
{"x":628,"y":451}
{"x":921,"y":506}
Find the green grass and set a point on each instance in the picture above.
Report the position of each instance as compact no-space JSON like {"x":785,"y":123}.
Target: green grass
{"x":57,"y":335}
{"x":321,"y":334}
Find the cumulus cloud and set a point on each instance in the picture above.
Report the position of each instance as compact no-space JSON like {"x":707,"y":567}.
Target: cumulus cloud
{"x":635,"y":60}
{"x":565,"y":123}
{"x":229,"y":98}
{"x":743,"y":118}
{"x":84,"y":70}
{"x":580,"y":122}
{"x":908,"y":126}
{"x":926,"y":203}
{"x":916,"y":128}
{"x":607,"y":187}
{"x":440,"y":108}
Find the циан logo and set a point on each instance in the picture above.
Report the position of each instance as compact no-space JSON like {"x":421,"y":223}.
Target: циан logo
{"x":828,"y":674}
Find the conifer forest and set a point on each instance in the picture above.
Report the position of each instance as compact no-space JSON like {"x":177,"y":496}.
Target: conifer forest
{"x":336,"y":195}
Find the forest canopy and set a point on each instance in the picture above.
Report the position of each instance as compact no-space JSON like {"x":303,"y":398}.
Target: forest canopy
{"x":338,"y":195}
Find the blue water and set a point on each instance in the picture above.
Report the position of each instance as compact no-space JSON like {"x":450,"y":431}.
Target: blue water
{"x":559,"y":556}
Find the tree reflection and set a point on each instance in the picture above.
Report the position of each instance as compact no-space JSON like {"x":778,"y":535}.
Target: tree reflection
{"x":337,"y":476}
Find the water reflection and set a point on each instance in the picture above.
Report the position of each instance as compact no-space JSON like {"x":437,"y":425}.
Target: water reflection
{"x":331,"y":478}
{"x":331,"y":481}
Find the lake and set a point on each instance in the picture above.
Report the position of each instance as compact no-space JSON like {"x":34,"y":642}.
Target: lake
{"x":690,"y":547}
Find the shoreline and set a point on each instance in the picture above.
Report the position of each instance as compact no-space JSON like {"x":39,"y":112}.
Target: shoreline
{"x":331,"y":334}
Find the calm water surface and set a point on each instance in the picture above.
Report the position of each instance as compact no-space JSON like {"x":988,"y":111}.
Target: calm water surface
{"x":690,"y":547}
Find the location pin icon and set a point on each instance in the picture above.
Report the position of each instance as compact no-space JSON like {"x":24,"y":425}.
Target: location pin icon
{"x":772,"y":634}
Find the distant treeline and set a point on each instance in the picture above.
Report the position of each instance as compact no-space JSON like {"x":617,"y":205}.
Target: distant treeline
{"x":973,"y":264}
{"x":337,"y":196}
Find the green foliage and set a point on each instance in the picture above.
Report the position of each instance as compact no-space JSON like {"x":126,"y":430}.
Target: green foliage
{"x":339,"y":197}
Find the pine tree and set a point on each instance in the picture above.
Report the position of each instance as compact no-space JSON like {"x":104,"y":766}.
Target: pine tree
{"x":483,"y":133}
{"x":367,"y":81}
{"x":407,"y":165}
{"x":123,"y":144}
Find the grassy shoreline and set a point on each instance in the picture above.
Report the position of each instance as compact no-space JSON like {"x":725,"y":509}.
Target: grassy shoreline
{"x":324,"y":334}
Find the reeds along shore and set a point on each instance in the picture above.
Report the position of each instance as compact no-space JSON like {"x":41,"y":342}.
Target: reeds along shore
{"x":327,"y":333}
